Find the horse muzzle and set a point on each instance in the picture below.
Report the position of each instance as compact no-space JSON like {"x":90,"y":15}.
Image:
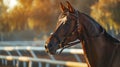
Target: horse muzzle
{"x":50,"y":50}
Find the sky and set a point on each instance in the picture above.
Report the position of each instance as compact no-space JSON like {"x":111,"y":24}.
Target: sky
{"x":10,"y":4}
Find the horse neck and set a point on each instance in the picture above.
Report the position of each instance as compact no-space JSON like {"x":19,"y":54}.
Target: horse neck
{"x":91,"y":26}
{"x":90,"y":48}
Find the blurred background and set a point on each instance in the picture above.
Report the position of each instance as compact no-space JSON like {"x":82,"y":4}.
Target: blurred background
{"x":25,"y":25}
{"x":29,"y":20}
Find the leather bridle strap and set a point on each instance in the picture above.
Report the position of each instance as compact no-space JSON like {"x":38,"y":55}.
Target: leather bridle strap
{"x":67,"y":46}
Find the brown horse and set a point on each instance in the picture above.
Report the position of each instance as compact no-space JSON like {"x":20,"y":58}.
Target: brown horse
{"x":100,"y":48}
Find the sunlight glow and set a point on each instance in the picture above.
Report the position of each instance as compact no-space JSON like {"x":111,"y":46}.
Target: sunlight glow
{"x":10,"y":4}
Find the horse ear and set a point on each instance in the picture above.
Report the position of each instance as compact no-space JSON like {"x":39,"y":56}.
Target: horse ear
{"x":63,"y":8}
{"x":71,"y":9}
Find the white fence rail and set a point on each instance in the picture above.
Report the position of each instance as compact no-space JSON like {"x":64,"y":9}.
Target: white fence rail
{"x":29,"y":59}
{"x":22,"y":43}
{"x":10,"y":48}
{"x":39,"y":60}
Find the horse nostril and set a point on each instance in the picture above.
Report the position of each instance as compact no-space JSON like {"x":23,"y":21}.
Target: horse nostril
{"x":45,"y":46}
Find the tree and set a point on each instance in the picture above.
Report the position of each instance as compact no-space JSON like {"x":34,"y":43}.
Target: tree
{"x":107,"y":13}
{"x":29,"y":14}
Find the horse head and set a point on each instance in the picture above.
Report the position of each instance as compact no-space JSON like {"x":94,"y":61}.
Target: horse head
{"x":66,"y":31}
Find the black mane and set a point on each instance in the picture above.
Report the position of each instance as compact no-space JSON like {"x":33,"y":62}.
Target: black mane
{"x":111,"y":38}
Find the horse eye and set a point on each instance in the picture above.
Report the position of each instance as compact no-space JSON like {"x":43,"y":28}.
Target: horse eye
{"x":67,"y":23}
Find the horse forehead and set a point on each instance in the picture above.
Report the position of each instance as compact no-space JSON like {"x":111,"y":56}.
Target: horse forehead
{"x":63,"y":20}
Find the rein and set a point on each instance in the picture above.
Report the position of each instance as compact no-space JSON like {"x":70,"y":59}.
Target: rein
{"x":67,"y":46}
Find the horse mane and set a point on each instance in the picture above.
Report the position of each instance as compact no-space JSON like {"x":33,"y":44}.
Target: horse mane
{"x":107,"y":35}
{"x":111,"y":38}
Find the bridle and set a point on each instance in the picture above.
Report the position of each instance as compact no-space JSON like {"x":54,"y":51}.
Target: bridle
{"x":62,"y":44}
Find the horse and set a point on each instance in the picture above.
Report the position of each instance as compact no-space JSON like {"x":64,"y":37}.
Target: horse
{"x":100,"y":48}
